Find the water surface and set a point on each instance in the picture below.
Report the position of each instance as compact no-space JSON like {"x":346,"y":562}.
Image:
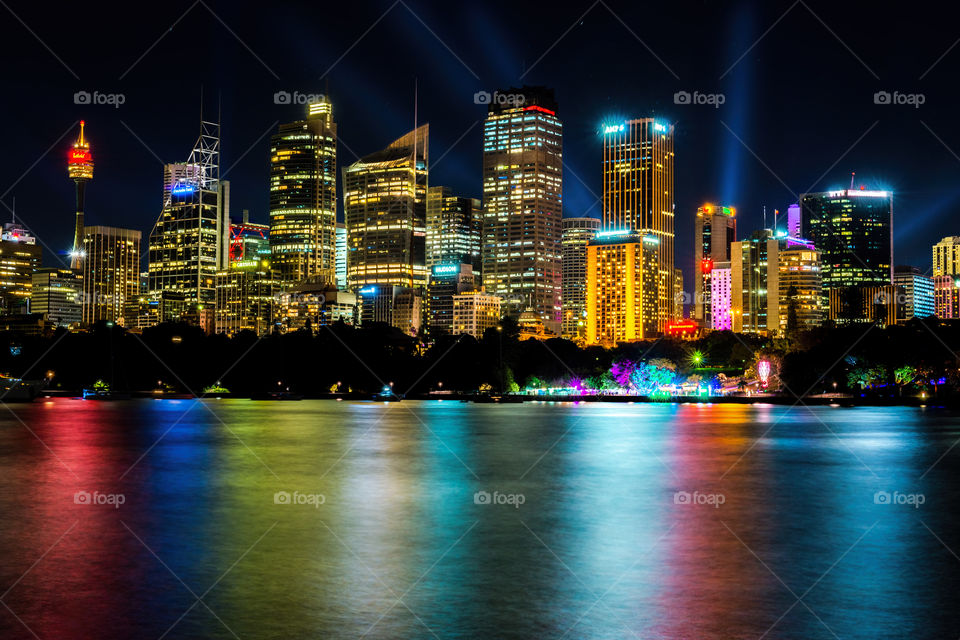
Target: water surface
{"x":603,"y":520}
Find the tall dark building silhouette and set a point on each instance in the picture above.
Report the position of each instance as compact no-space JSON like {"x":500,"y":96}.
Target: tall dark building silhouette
{"x":853,"y":230}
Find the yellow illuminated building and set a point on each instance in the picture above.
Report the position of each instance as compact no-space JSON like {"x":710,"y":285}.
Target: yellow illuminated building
{"x":384,"y":204}
{"x":638,"y":195}
{"x":622,"y":287}
{"x":111,"y":272}
{"x":303,"y":196}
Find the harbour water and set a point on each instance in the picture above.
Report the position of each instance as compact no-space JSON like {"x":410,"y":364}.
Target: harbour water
{"x":442,"y":519}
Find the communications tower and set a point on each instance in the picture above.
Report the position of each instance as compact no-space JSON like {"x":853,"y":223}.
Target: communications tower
{"x":80,"y":168}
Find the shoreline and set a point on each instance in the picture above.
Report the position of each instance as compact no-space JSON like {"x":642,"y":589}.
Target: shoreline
{"x":839,"y":401}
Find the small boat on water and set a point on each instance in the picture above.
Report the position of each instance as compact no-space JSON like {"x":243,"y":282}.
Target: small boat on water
{"x":387,"y":395}
{"x":104,"y":394}
{"x":103,"y":391}
{"x":19,"y":390}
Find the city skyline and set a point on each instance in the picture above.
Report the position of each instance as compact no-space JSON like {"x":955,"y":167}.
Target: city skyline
{"x":479,"y":319}
{"x":714,"y":144}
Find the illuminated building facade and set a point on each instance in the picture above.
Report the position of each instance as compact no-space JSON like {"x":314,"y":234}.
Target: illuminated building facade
{"x":918,"y":290}
{"x":189,"y":243}
{"x":474,"y":312}
{"x":446,"y":281}
{"x":56,"y":293}
{"x":623,"y":277}
{"x":678,"y":295}
{"x":400,"y":307}
{"x":638,"y":170}
{"x":249,"y":241}
{"x":303,"y":196}
{"x":178,"y":173}
{"x":683,"y":328}
{"x":19,"y":256}
{"x":522,"y":193}
{"x":853,"y":230}
{"x":341,"y":256}
{"x":799,"y":288}
{"x":880,"y":303}
{"x":247,"y":297}
{"x":754,"y":274}
{"x":946,"y":291}
{"x":375,"y":303}
{"x":721,"y":290}
{"x":946,"y":257}
{"x":408,"y":311}
{"x":453,"y":228}
{"x":715,"y":230}
{"x":80,"y":170}
{"x":111,"y":272}
{"x":794,"y":221}
{"x":577,"y":233}
{"x":311,"y":305}
{"x":385,"y":209}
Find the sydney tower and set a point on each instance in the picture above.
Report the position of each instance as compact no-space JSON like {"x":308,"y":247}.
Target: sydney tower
{"x":80,"y":168}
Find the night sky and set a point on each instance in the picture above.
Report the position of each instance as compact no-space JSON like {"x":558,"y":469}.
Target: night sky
{"x":798,"y":82}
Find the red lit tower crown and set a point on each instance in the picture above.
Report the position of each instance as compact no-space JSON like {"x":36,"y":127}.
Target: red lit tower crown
{"x":80,"y":168}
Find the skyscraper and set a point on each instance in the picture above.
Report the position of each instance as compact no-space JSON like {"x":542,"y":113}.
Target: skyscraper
{"x":853,"y":230}
{"x":946,"y":291}
{"x":918,"y":292}
{"x":638,"y":194}
{"x":623,"y":276}
{"x":247,"y":297}
{"x":19,"y":258}
{"x":714,"y":231}
{"x":721,"y":311}
{"x":189,"y":242}
{"x":754,"y":277}
{"x":80,"y":169}
{"x":946,"y":257}
{"x":799,"y":287}
{"x":446,"y":281}
{"x":111,"y":272}
{"x":577,"y":233}
{"x":453,"y":228}
{"x":56,"y":293}
{"x":522,"y":193}
{"x":385,"y":209}
{"x":303,"y":196}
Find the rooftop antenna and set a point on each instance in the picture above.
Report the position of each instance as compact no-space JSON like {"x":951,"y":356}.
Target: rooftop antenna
{"x":853,"y":174}
{"x":13,"y":212}
{"x":764,"y":216}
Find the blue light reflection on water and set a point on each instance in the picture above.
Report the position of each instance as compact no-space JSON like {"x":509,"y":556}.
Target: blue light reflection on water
{"x":599,"y":548}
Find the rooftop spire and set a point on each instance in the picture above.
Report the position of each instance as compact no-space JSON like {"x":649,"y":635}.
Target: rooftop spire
{"x":81,"y":141}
